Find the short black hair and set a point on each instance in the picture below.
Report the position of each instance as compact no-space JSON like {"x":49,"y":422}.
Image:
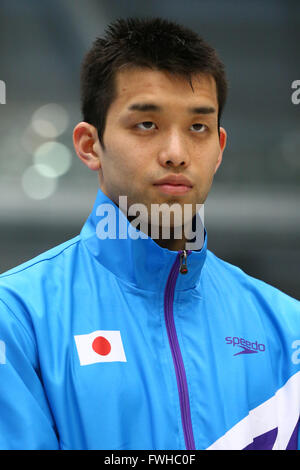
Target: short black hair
{"x":155,"y":43}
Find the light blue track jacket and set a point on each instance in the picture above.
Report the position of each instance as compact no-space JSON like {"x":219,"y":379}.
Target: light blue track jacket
{"x":105,"y":344}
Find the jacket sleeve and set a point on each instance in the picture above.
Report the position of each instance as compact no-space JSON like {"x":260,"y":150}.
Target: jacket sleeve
{"x":25,"y":417}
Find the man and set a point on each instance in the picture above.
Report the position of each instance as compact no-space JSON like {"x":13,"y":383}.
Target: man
{"x":118,"y":339}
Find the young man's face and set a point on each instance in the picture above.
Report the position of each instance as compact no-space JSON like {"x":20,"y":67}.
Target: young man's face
{"x":144,"y":145}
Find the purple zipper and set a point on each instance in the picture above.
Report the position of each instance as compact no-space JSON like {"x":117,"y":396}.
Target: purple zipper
{"x":176,"y":354}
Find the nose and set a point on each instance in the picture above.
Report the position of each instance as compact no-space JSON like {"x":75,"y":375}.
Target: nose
{"x":173,"y":151}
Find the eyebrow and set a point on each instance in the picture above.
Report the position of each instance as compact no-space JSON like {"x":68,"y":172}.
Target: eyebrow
{"x":143,"y":107}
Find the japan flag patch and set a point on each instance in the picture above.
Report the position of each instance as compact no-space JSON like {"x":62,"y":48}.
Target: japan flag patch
{"x":100,"y":346}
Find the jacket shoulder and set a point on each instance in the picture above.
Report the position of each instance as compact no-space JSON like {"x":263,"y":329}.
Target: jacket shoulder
{"x":31,"y":279}
{"x":26,"y":288}
{"x":40,"y":260}
{"x":237,"y":278}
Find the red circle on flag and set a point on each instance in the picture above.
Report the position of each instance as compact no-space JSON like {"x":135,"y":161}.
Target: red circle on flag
{"x":101,"y":346}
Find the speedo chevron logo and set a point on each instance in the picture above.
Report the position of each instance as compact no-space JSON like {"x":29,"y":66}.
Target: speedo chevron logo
{"x":248,"y":347}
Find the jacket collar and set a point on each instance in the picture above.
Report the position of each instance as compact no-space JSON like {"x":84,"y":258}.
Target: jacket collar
{"x":141,"y":261}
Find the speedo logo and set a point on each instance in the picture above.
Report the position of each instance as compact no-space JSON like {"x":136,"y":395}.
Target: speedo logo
{"x":247,"y":346}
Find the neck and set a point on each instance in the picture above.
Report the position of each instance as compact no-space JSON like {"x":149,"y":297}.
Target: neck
{"x":171,"y":242}
{"x":173,"y":239}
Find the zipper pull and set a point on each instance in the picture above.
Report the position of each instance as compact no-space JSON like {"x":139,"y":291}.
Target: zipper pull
{"x":183,"y":267}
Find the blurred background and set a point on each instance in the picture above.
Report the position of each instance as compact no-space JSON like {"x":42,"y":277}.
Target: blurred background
{"x":252,"y":213}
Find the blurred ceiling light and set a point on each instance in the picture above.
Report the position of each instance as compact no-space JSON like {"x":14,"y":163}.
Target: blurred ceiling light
{"x":30,"y":140}
{"x":52,"y":159}
{"x":37,"y":186}
{"x":50,"y":120}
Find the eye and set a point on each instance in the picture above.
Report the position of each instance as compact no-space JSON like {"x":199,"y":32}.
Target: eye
{"x":200,"y":128}
{"x":147,"y":125}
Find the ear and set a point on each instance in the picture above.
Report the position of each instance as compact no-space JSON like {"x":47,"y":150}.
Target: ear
{"x":87,"y":145}
{"x":222,"y":140}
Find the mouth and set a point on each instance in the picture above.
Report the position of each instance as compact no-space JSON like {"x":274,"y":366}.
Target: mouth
{"x":168,"y":188}
{"x":174,"y":184}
